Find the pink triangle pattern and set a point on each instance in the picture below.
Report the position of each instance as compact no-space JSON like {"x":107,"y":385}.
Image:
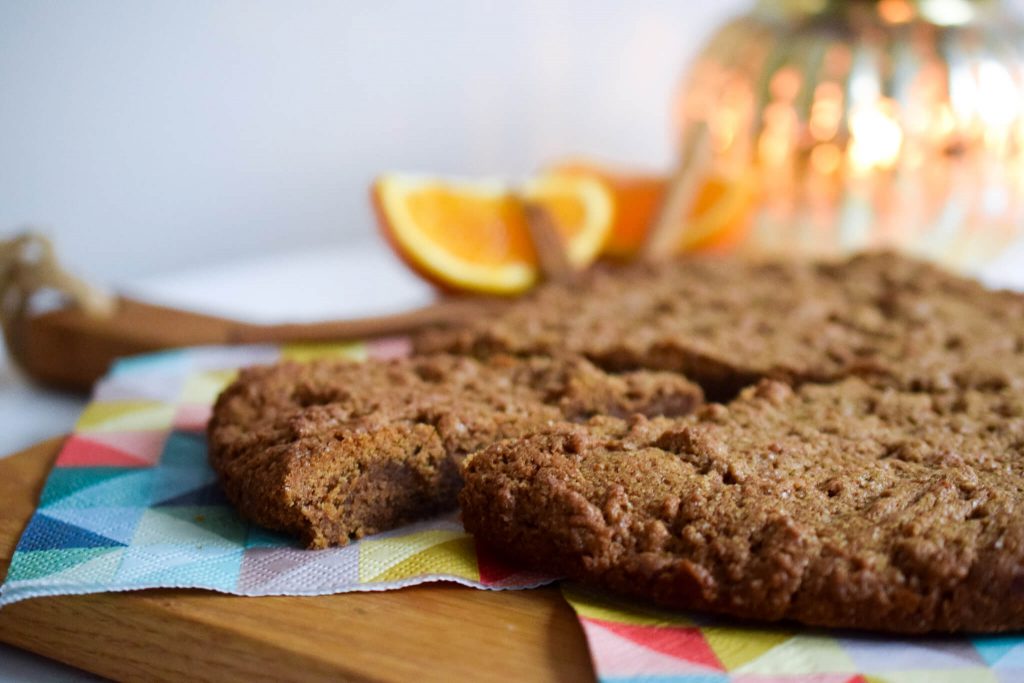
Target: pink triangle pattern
{"x":492,"y":570}
{"x":615,"y":656}
{"x":494,"y":573}
{"x":681,"y":642}
{"x":192,"y":417}
{"x":114,"y":449}
{"x":389,"y":347}
{"x":799,"y":678}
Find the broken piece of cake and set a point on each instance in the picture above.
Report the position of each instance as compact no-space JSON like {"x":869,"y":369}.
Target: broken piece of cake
{"x":335,"y":450}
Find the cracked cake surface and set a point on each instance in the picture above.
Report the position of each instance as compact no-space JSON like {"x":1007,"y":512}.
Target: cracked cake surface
{"x":726,"y":323}
{"x":843,"y":505}
{"x":333,"y":450}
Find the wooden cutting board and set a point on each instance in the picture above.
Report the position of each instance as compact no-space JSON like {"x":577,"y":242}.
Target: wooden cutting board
{"x":436,"y":632}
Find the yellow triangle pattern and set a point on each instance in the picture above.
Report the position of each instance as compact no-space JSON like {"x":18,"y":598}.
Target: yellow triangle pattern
{"x":593,"y":605}
{"x":973,"y":675}
{"x":202,"y":388}
{"x":735,"y":646}
{"x":378,"y":557}
{"x":456,"y":557}
{"x":800,"y":654}
{"x":125,"y":416}
{"x":307,"y":352}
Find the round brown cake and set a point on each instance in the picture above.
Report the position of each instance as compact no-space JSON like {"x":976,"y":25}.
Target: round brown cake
{"x":842,"y":505}
{"x":862,"y":469}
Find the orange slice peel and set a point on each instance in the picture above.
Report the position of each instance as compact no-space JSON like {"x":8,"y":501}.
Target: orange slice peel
{"x":638,"y":196}
{"x":473,"y":235}
{"x":718,"y":218}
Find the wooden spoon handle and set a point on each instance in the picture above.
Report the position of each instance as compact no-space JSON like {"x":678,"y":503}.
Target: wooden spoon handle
{"x":69,"y":349}
{"x":448,"y":312}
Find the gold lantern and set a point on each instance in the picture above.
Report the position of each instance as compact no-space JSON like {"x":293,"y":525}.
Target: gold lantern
{"x":864,"y":124}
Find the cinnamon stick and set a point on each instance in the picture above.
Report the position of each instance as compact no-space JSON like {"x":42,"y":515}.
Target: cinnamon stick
{"x":666,"y":233}
{"x":549,"y":245}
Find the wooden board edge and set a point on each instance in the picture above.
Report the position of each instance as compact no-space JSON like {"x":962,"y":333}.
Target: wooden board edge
{"x":121,"y":643}
{"x":128,"y":636}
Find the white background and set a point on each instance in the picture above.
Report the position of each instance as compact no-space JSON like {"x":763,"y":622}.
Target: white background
{"x":153,"y":136}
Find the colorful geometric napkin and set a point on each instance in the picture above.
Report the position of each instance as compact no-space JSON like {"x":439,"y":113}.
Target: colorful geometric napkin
{"x":631,"y":642}
{"x":132,"y":503}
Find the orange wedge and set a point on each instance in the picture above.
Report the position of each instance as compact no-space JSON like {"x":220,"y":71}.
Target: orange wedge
{"x":638,"y":197}
{"x":716,"y":220}
{"x":472,"y":235}
{"x":719,"y":217}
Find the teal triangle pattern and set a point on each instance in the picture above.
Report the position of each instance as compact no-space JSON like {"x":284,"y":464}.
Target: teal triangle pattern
{"x":115,"y":523}
{"x":39,"y":564}
{"x":191,"y":526}
{"x":171,"y":362}
{"x":175,"y":482}
{"x":994,"y":648}
{"x":83,"y":487}
{"x":210,"y":494}
{"x":184,"y":449}
{"x":46,"y":533}
{"x":65,"y":482}
{"x":171,"y":565}
{"x":258,"y":537}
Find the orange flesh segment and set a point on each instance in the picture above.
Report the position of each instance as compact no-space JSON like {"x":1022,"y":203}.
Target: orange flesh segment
{"x":718,"y":220}
{"x":479,"y":229}
{"x":638,"y":202}
{"x":711,"y":192}
{"x":567,"y":213}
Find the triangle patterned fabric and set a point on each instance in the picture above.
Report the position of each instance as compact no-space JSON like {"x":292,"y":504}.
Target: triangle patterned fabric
{"x":132,"y":503}
{"x":631,"y":642}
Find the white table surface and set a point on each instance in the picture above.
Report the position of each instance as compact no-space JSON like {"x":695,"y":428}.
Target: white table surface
{"x":337,"y":282}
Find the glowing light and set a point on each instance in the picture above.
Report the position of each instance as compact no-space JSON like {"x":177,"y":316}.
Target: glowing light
{"x":826,"y":112}
{"x":825,"y":159}
{"x":944,"y":123}
{"x":837,"y":60}
{"x":875,"y":136}
{"x":913,"y":157}
{"x":998,"y":103}
{"x":785,"y":84}
{"x":873,"y":121}
{"x":723,"y":128}
{"x":895,"y":11}
{"x":947,"y":12}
